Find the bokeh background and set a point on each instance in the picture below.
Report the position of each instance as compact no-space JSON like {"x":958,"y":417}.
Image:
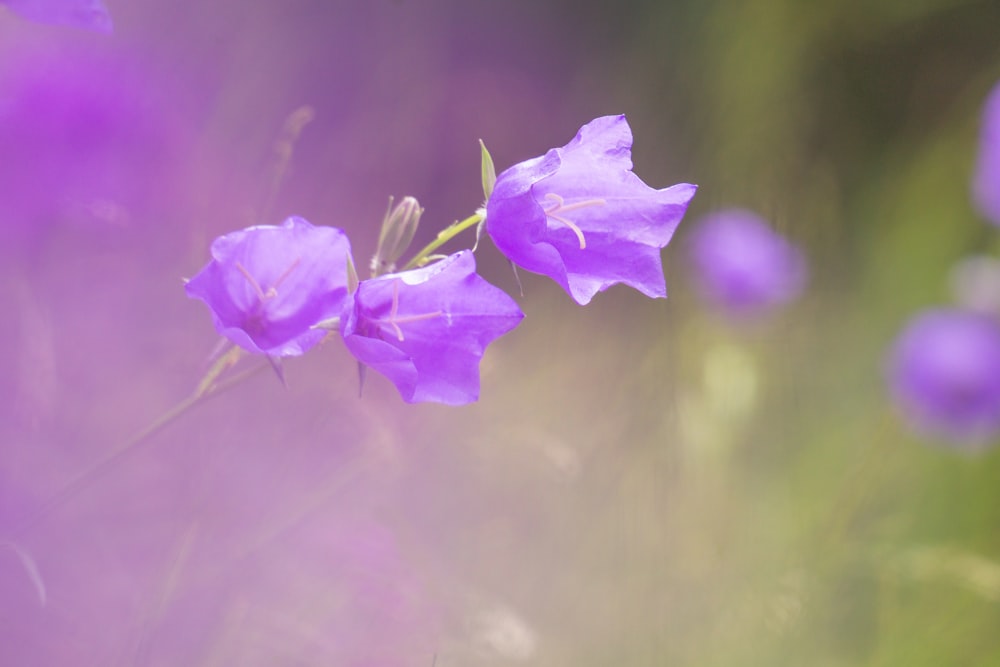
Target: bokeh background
{"x":644,"y":482}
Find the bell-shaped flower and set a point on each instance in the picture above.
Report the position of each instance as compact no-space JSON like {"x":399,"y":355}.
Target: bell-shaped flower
{"x":986,"y":181}
{"x":944,"y":374}
{"x":742,"y":266}
{"x":268,"y":286}
{"x":427,"y":329}
{"x":580,"y":216}
{"x":86,"y":14}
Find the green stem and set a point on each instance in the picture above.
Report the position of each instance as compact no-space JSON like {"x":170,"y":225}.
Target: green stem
{"x":445,"y":235}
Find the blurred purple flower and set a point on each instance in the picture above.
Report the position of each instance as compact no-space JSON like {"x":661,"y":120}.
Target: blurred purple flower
{"x":944,"y":374}
{"x":580,"y":216}
{"x":87,"y":14}
{"x":427,"y":329}
{"x":267,"y":286}
{"x":83,"y":139}
{"x":986,"y":181}
{"x":742,"y":266}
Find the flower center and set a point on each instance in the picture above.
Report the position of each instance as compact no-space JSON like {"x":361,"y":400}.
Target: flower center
{"x":272,"y":291}
{"x":559,"y":207}
{"x":394,"y":319}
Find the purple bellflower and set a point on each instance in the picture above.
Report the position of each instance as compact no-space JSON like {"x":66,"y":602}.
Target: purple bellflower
{"x":268,"y":286}
{"x":427,"y":329}
{"x":580,"y":216}
{"x":944,"y":374}
{"x":742,"y":266}
{"x":986,"y":181}
{"x":86,"y":14}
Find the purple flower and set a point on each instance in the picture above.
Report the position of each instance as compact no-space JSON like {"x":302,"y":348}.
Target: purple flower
{"x":267,"y":286}
{"x":87,"y":14}
{"x":84,"y":141}
{"x":742,"y":266}
{"x":944,"y":374}
{"x":986,"y":181}
{"x":580,"y":216}
{"x":427,"y":329}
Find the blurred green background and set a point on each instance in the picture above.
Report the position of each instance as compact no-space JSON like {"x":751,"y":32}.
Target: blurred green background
{"x":642,"y":482}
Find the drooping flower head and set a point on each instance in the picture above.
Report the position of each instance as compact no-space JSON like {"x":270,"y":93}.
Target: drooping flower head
{"x":742,"y":266}
{"x":268,"y":285}
{"x":944,"y":374}
{"x":580,"y":216}
{"x":986,"y":181}
{"x":86,"y":14}
{"x":427,"y":329}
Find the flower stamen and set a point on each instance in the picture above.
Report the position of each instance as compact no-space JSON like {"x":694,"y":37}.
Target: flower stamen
{"x":560,"y":207}
{"x":394,"y":320}
{"x":250,"y":279}
{"x":272,"y":291}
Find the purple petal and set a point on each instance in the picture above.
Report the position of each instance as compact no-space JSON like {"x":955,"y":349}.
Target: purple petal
{"x":267,"y":286}
{"x":426,"y":330}
{"x":986,"y":181}
{"x":944,"y":374}
{"x":580,"y":216}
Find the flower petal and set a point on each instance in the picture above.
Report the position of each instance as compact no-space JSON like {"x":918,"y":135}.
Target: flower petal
{"x":267,"y":285}
{"x":986,"y":181}
{"x":580,"y":216}
{"x":426,"y":330}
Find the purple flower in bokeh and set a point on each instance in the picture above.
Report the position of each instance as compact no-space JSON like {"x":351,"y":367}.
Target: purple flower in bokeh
{"x":986,"y":182}
{"x":944,"y":374}
{"x":742,"y":266}
{"x":580,"y":216}
{"x":87,"y":14}
{"x":427,"y":329}
{"x":83,"y":139}
{"x":268,"y":286}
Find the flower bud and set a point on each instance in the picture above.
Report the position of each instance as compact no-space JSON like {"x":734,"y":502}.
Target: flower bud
{"x":398,"y":227}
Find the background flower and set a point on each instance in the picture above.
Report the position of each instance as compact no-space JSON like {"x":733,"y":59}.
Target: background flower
{"x":742,"y":266}
{"x":580,"y":216}
{"x":267,"y":286}
{"x":88,"y":14}
{"x":88,"y":141}
{"x":944,"y":373}
{"x":986,"y":182}
{"x":427,"y":329}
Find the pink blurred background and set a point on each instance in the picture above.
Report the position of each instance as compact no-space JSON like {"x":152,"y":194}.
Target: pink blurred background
{"x":269,"y":525}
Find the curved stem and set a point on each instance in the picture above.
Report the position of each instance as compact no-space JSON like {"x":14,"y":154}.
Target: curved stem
{"x":104,"y":463}
{"x":445,"y":235}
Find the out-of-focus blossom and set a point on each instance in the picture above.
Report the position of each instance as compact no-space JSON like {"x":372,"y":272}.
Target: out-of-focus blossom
{"x":580,"y":216}
{"x":268,"y":286}
{"x":742,"y":266}
{"x":986,"y":181}
{"x":86,"y":14}
{"x":84,"y":139}
{"x":427,"y":329}
{"x":944,"y":374}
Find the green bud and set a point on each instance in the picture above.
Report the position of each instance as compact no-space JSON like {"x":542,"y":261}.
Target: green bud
{"x":489,"y":171}
{"x":398,"y":227}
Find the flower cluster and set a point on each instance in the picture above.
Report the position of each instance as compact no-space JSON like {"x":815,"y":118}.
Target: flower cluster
{"x":944,"y":368}
{"x":577,"y":214}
